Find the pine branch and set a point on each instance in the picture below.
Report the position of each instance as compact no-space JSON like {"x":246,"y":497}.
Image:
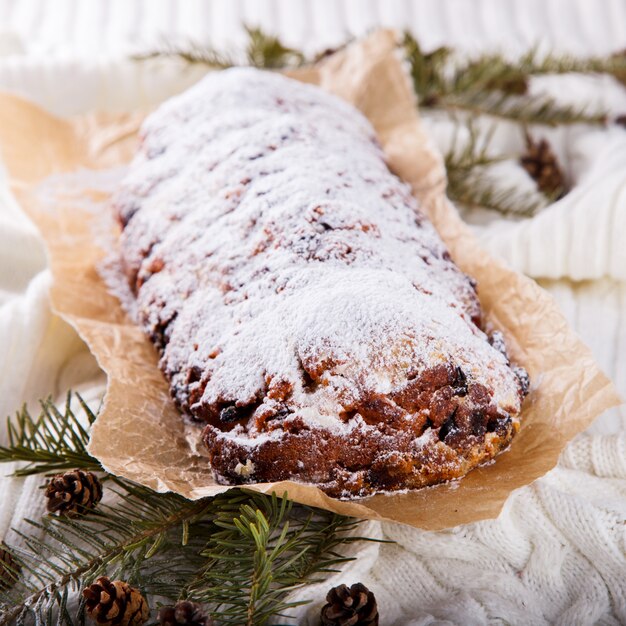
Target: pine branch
{"x":533,"y":63}
{"x":487,"y":85}
{"x":52,"y":442}
{"x":490,"y":85}
{"x":242,"y":554}
{"x":269,"y":52}
{"x":427,"y":70}
{"x":261,"y":554}
{"x":520,"y":109}
{"x":62,"y":553}
{"x":191,"y":52}
{"x":468,"y":181}
{"x":474,"y":191}
{"x":493,"y":71}
{"x":262,"y":50}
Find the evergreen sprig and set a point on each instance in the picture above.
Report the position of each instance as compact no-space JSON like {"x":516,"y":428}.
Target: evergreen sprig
{"x":252,"y":568}
{"x":61,"y":554}
{"x":192,"y":52}
{"x":490,"y":85}
{"x":522,"y":109}
{"x":469,"y":182}
{"x":241,"y":553}
{"x":536,"y":64}
{"x":269,"y":52}
{"x":262,"y":50}
{"x":52,"y":442}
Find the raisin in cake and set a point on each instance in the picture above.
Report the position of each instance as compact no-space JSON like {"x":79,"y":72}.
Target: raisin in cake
{"x":305,"y":309}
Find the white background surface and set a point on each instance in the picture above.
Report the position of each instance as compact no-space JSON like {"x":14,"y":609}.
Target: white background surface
{"x":557,"y":553}
{"x":105,"y":28}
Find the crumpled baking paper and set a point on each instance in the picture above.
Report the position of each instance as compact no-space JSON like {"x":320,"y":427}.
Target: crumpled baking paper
{"x":63,"y":173}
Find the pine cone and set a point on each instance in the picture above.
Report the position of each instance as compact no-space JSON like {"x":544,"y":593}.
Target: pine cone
{"x":185,"y":613}
{"x":350,"y":606}
{"x":9,"y":569}
{"x":73,"y":493}
{"x":543,"y":167}
{"x":115,"y":603}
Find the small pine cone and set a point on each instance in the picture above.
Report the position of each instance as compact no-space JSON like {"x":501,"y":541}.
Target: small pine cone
{"x":73,"y":493}
{"x":350,"y":606}
{"x":9,"y":569}
{"x":115,"y":603}
{"x":543,"y":167}
{"x":184,"y":613}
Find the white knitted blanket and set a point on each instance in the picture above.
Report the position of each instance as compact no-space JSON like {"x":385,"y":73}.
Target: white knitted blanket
{"x":557,"y":553}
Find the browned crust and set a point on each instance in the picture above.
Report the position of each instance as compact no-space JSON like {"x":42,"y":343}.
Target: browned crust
{"x":365,"y":463}
{"x":436,"y":428}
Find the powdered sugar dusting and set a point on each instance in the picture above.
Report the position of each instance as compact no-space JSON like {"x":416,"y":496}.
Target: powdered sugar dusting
{"x":279,"y":265}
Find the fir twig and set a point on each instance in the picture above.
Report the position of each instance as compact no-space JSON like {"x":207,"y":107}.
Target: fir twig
{"x":258,"y":549}
{"x":493,"y":71}
{"x":536,"y":64}
{"x":489,"y":85}
{"x":474,"y":191}
{"x":468,"y":181}
{"x":521,"y":109}
{"x":52,"y":442}
{"x":262,"y":50}
{"x":62,"y":554}
{"x":427,"y":70}
{"x":191,"y":52}
{"x":262,"y":554}
{"x":268,"y":51}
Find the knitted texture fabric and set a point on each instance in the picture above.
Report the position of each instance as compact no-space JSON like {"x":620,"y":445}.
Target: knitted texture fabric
{"x":557,"y":552}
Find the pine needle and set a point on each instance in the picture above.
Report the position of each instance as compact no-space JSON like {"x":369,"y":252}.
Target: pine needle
{"x":427,"y":70}
{"x":474,"y":191}
{"x":490,"y":85}
{"x":536,"y":64}
{"x":115,"y":539}
{"x":469,"y":184}
{"x":269,"y":52}
{"x":523,"y":110}
{"x":191,"y":52}
{"x":262,"y":50}
{"x":52,"y":442}
{"x":262,"y":553}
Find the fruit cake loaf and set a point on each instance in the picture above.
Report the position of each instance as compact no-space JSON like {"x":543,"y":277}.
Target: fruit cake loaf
{"x":304,"y":308}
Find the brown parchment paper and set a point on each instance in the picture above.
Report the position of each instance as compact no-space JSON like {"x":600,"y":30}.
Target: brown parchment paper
{"x":139,"y":433}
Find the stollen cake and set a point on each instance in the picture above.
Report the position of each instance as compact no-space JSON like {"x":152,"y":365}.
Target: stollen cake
{"x":305,"y":310}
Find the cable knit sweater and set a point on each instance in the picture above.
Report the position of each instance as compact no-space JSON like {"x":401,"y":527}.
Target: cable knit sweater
{"x":556,"y":554}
